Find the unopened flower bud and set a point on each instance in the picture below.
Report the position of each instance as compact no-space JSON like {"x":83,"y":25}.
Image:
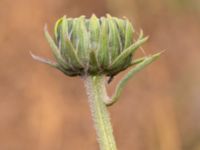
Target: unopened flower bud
{"x":94,"y":46}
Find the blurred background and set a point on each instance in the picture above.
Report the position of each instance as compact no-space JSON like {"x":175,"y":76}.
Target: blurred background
{"x":41,"y":109}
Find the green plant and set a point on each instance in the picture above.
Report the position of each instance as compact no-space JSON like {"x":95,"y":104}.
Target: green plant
{"x":94,"y":48}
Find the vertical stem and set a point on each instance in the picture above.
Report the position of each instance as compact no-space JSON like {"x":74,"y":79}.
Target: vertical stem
{"x":96,"y":91}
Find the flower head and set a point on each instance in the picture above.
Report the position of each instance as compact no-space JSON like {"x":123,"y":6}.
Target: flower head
{"x":94,"y":46}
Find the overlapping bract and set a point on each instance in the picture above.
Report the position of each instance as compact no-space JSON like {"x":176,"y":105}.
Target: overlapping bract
{"x":93,"y":46}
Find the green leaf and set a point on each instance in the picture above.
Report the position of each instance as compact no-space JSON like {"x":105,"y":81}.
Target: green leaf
{"x":114,"y":39}
{"x":82,"y":40}
{"x":129,"y":31}
{"x":57,"y":29}
{"x":103,"y":53}
{"x":137,"y":61}
{"x":148,"y":60}
{"x":54,"y":49}
{"x":54,"y":64}
{"x":121,"y":27}
{"x":63,"y":35}
{"x":74,"y":38}
{"x":70,"y":24}
{"x":128,"y":34}
{"x":44,"y":60}
{"x":94,"y":28}
{"x":127,"y":52}
{"x":71,"y":54}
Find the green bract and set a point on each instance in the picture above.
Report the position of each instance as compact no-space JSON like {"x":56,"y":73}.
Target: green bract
{"x":94,"y":46}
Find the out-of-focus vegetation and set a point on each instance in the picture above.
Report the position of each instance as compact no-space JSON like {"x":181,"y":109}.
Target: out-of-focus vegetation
{"x":41,"y":109}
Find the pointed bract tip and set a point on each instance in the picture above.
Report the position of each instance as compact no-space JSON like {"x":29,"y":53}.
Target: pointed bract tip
{"x":64,"y":17}
{"x":45,"y":28}
{"x":43,"y":60}
{"x":157,"y":55}
{"x":93,"y":16}
{"x":108,"y":15}
{"x":141,"y":34}
{"x":82,"y":17}
{"x":32,"y":55}
{"x":35,"y":57}
{"x":126,"y":18}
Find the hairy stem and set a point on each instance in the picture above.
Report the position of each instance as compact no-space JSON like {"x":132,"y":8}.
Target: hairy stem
{"x":95,"y":86}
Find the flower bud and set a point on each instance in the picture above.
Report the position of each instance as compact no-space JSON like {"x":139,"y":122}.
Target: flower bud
{"x":94,"y":46}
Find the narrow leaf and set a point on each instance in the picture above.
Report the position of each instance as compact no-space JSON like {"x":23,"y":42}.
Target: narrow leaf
{"x":57,"y":29}
{"x":103,"y":53}
{"x":94,"y":28}
{"x":114,"y":38}
{"x":63,"y":35}
{"x":82,"y":39}
{"x":137,"y":61}
{"x":128,"y":34}
{"x":44,"y":60}
{"x":54,"y":49}
{"x":127,"y":52}
{"x":71,"y":52}
{"x":121,"y":27}
{"x":148,"y":60}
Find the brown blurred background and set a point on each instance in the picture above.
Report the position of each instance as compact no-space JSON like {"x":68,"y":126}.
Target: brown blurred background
{"x":41,"y":109}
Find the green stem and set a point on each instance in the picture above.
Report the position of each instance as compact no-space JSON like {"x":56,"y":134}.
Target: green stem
{"x":95,"y":86}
